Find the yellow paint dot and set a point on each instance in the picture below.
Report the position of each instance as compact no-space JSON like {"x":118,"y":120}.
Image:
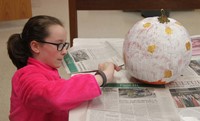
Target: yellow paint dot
{"x":168,"y":30}
{"x":178,"y":23}
{"x":151,"y":48}
{"x":167,"y":73}
{"x":146,"y":25}
{"x":188,"y":46}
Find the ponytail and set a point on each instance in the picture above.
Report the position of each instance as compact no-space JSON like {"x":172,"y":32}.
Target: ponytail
{"x":18,"y":50}
{"x":36,"y":28}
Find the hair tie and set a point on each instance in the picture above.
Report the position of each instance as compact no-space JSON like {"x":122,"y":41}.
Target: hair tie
{"x":102,"y":74}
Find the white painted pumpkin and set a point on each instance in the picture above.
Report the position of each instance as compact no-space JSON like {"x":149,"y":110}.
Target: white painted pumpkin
{"x":156,"y":52}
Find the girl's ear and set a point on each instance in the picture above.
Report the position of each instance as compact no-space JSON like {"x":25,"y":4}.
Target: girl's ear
{"x":35,"y":46}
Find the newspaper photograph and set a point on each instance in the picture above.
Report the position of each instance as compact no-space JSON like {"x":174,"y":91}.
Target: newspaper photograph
{"x":133,"y":104}
{"x":195,"y":65}
{"x":193,"y":69}
{"x":186,"y":97}
{"x":195,"y":45}
{"x":87,"y":58}
{"x":185,"y":92}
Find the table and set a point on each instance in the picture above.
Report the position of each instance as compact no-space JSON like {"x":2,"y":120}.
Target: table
{"x":79,"y":113}
{"x":75,"y":5}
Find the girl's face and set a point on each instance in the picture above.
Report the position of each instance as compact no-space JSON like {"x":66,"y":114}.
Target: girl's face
{"x":48,"y":53}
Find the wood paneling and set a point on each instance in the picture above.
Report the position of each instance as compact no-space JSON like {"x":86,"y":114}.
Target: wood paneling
{"x":75,"y":5}
{"x":136,"y":4}
{"x":15,"y":9}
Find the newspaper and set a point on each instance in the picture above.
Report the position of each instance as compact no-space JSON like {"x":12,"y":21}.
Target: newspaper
{"x":132,"y":102}
{"x":127,"y":99}
{"x":85,"y":58}
{"x":185,"y":92}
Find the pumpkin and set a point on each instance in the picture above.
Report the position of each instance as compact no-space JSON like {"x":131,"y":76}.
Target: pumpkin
{"x":156,"y":50}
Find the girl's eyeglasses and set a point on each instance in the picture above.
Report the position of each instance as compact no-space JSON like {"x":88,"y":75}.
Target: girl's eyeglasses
{"x":60,"y":46}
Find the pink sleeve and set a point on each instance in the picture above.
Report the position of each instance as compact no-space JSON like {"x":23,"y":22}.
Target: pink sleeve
{"x":38,"y":92}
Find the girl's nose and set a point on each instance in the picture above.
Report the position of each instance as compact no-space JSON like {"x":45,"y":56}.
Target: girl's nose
{"x":64,"y":51}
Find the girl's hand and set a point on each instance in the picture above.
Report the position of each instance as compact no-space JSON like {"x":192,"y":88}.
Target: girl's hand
{"x":108,"y":68}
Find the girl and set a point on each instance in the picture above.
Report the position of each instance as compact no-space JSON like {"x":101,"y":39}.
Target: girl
{"x":38,"y":92}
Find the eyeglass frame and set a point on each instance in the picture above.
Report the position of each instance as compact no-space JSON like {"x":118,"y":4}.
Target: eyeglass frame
{"x":57,"y":44}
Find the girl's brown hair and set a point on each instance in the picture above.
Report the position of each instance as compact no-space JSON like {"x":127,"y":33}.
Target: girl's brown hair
{"x":36,"y":28}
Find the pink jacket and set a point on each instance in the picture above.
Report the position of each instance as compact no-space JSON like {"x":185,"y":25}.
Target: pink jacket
{"x":39,"y":94}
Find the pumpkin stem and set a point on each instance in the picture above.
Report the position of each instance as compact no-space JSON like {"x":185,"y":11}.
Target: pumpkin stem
{"x":163,"y":18}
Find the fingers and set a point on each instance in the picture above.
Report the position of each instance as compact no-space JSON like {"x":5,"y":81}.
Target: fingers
{"x":117,"y":68}
{"x":109,"y":65}
{"x":101,"y":66}
{"x":109,"y":68}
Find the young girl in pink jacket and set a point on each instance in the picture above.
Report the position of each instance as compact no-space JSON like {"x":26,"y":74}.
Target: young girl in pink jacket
{"x":38,"y":92}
